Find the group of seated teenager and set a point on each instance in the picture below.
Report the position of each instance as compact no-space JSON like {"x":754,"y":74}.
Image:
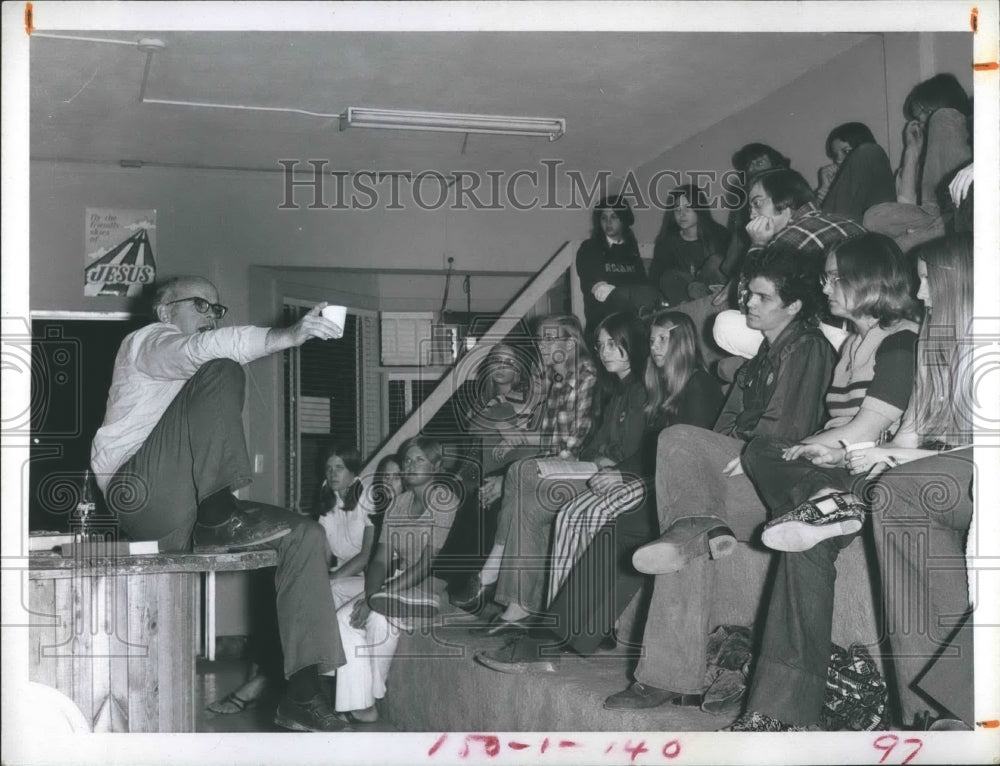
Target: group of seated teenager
{"x":836,"y":417}
{"x":698,"y":265}
{"x":607,"y":455}
{"x":381,"y":541}
{"x":803,"y":451}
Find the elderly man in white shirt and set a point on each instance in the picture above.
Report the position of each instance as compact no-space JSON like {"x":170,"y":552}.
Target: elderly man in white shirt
{"x":172,"y":449}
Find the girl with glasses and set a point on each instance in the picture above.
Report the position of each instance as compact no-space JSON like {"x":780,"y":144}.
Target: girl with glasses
{"x":922,"y":501}
{"x":815,"y":508}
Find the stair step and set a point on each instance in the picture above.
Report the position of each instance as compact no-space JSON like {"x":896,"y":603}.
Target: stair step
{"x":435,"y":685}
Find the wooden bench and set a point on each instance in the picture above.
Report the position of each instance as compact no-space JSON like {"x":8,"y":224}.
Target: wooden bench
{"x":119,"y":636}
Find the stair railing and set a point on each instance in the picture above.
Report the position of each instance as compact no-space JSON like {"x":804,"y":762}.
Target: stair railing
{"x":530,"y":294}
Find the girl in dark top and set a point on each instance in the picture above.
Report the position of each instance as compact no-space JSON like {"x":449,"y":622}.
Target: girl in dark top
{"x":689,"y":249}
{"x":612,"y":276}
{"x":859,"y":174}
{"x":816,"y":509}
{"x":615,"y":447}
{"x":678,"y":390}
{"x":677,"y":387}
{"x":589,"y":589}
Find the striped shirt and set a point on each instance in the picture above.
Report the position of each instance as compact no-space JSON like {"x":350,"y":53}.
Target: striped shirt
{"x":874,"y":373}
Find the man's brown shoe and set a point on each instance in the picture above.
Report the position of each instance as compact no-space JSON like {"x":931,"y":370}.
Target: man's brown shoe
{"x":246,"y":527}
{"x":640,"y":696}
{"x":685,"y":541}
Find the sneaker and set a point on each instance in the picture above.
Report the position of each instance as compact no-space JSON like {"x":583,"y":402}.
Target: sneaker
{"x":755,"y":721}
{"x":315,"y":715}
{"x":245,"y":527}
{"x":814,"y":521}
{"x":686,"y":540}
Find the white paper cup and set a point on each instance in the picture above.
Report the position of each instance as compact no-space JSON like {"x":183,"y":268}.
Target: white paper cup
{"x":337,"y":315}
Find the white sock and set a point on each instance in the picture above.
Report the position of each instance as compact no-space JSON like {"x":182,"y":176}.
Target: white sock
{"x":491,"y":569}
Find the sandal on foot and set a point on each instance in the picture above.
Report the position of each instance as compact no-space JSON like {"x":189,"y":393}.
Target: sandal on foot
{"x":241,"y":705}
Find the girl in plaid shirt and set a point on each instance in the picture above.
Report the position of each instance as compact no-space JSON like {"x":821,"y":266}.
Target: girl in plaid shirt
{"x":568,"y":366}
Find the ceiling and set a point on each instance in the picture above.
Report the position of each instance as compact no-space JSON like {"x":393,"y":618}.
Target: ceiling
{"x":626,"y":97}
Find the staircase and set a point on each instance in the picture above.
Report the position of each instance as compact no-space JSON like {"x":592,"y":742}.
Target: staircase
{"x":522,"y":303}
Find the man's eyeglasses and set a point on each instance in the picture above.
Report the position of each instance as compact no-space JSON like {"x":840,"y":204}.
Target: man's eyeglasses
{"x":203,"y":307}
{"x":827,"y":278}
{"x":758,"y":202}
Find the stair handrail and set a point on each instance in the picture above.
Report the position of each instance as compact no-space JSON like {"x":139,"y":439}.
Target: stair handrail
{"x":528,"y":296}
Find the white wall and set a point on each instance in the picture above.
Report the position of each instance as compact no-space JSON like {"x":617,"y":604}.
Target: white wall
{"x":220,"y":223}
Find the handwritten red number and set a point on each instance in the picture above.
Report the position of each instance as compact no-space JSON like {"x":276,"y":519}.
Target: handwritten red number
{"x":436,"y":745}
{"x":886,"y":742}
{"x":637,"y":750}
{"x":672,"y":749}
{"x":491,"y":744}
{"x":918,"y":742}
{"x":545,"y":744}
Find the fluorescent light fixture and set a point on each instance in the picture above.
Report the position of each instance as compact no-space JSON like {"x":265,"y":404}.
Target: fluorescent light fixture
{"x":395,"y":119}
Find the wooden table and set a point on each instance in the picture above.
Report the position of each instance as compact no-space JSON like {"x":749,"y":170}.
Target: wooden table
{"x":119,"y":636}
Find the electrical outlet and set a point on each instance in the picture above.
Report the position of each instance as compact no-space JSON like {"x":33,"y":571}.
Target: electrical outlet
{"x":258,"y":463}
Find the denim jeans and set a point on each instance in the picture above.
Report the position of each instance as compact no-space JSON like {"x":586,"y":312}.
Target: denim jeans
{"x":527,"y":512}
{"x":921,"y":513}
{"x":690,"y":483}
{"x":921,"y":518}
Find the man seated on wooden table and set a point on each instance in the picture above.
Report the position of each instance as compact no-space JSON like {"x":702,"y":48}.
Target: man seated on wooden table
{"x":172,"y":449}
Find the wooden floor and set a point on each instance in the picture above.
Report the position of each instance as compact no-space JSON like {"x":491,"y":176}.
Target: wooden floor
{"x":216,"y":679}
